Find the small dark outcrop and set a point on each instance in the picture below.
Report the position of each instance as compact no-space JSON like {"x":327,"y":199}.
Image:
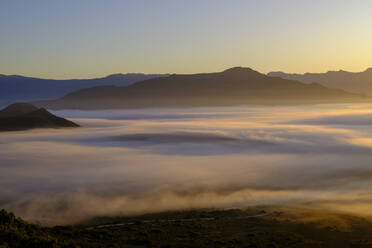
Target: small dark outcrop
{"x":23,"y":116}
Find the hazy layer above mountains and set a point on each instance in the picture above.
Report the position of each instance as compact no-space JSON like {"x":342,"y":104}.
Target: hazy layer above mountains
{"x":357,"y":82}
{"x":14,"y":88}
{"x":234,"y":86}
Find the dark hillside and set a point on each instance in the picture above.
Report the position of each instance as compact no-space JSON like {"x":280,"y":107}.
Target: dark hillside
{"x":22,"y":116}
{"x":231,"y":87}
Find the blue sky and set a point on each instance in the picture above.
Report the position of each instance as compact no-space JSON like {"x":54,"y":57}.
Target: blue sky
{"x":90,"y":38}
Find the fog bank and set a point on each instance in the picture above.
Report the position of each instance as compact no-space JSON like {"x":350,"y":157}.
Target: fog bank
{"x":137,"y":161}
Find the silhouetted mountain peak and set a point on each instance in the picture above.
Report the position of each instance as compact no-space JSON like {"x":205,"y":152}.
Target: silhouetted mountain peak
{"x":14,"y":76}
{"x":116,"y":76}
{"x":121,"y":76}
{"x":22,"y":116}
{"x":18,"y":109}
{"x":243,"y":72}
{"x":330,"y":72}
{"x":239,"y":69}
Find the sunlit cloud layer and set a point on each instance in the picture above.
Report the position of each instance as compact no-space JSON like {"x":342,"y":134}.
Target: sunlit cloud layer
{"x":128,"y":162}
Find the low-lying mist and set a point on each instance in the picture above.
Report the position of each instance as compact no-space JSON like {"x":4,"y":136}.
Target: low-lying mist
{"x":139,"y":161}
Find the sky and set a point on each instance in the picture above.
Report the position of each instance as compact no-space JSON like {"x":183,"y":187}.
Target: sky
{"x":93,"y":38}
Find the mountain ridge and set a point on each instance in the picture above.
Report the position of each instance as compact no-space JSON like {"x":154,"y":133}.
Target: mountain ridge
{"x":355,"y":82}
{"x":233,"y":86}
{"x":15,"y":88}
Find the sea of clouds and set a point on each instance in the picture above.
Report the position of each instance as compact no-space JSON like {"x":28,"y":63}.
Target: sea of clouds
{"x":148,"y":160}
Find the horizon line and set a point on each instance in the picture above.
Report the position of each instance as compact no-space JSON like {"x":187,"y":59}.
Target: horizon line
{"x":168,"y":73}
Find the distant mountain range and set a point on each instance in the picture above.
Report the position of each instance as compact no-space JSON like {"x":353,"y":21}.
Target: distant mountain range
{"x":231,"y":87}
{"x":357,"y":82}
{"x":15,"y":88}
{"x":22,"y":116}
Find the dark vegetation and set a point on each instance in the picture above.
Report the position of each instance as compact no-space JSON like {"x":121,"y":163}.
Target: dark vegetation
{"x":212,"y":228}
{"x":14,"y":232}
{"x":22,"y":116}
{"x":234,"y":86}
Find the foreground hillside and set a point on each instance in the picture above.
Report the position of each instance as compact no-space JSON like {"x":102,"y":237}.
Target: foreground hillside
{"x":234,"y":86}
{"x":15,"y":232}
{"x":22,"y":116}
{"x":228,"y":228}
{"x":357,"y":82}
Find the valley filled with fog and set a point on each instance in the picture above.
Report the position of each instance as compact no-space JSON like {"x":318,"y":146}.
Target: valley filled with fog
{"x":124,"y":162}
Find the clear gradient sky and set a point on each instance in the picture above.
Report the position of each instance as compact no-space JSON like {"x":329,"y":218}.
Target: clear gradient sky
{"x":92,"y":38}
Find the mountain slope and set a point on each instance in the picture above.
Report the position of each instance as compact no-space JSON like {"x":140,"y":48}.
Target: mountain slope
{"x":17,"y":109}
{"x":230,"y":87}
{"x":194,"y":228}
{"x":22,"y":116}
{"x":357,"y":82}
{"x":17,"y":88}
